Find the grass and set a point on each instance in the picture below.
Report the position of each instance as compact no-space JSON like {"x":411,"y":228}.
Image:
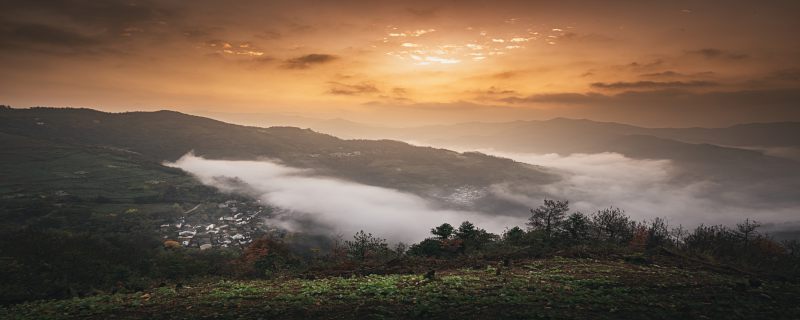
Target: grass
{"x":552,"y":288}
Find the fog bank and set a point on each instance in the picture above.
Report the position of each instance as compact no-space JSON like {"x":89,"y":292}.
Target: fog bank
{"x":344,"y":206}
{"x":645,"y":190}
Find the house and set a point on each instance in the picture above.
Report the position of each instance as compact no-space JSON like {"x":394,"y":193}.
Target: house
{"x":187,"y":233}
{"x":201,"y":240}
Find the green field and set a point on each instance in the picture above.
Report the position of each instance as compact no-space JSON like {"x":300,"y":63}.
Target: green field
{"x":550,"y":288}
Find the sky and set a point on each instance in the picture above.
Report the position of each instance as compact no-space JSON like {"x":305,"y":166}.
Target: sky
{"x":406,"y":63}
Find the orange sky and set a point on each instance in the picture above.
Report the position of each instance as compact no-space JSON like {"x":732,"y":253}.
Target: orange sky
{"x":676,"y":63}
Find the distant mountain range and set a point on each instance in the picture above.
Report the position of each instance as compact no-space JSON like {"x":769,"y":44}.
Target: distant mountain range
{"x":758,"y":159}
{"x":563,"y":135}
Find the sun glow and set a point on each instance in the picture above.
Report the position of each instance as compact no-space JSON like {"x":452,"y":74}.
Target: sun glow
{"x":445,"y":46}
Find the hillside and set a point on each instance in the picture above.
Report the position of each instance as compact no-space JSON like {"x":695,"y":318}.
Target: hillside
{"x":167,"y":135}
{"x":554,"y":288}
{"x":81,"y":188}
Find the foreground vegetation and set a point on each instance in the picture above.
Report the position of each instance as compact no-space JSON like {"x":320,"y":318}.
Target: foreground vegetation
{"x":547,"y":288}
{"x":598,"y":266}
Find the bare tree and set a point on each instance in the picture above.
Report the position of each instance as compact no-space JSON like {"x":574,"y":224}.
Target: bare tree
{"x":747,"y":229}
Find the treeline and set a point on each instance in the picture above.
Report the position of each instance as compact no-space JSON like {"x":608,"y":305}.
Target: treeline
{"x":551,"y":230}
{"x":48,"y":263}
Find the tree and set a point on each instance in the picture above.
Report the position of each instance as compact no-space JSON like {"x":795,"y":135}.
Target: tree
{"x":443,"y":232}
{"x":427,"y":248}
{"x":466,"y":231}
{"x":577,"y":227}
{"x":263,"y":257}
{"x":678,"y":235}
{"x":365,"y":246}
{"x":514,"y":236}
{"x":747,"y":229}
{"x":548,"y":217}
{"x":657,"y":233}
{"x":613,"y":225}
{"x":472,"y":237}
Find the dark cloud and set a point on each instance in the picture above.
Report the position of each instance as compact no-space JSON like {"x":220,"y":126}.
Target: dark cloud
{"x":40,"y":34}
{"x":589,"y":37}
{"x":505,"y":75}
{"x":75,"y":26}
{"x":646,"y":65}
{"x":268,"y":35}
{"x":560,"y":98}
{"x":423,"y":13}
{"x":493,"y":93}
{"x":200,"y":32}
{"x":498,"y":91}
{"x":112,"y":15}
{"x":309,"y":60}
{"x":789,"y":75}
{"x":713,"y":53}
{"x":337,"y":88}
{"x":650,"y":85}
{"x":674,"y":74}
{"x":399,"y":91}
{"x":665,"y":74}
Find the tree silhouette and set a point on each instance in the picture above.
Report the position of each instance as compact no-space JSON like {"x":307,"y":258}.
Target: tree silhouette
{"x":548,"y":217}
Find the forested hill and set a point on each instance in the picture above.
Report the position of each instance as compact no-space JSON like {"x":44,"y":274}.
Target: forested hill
{"x":167,"y":135}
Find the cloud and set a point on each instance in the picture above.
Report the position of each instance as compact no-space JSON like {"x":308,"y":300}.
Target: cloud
{"x":309,"y":60}
{"x":788,"y":75}
{"x":652,"y":85}
{"x":112,"y":14}
{"x":73,"y":26}
{"x":41,"y":34}
{"x":345,"y":207}
{"x":561,"y":98}
{"x":645,"y":66}
{"x":269,"y":35}
{"x":712,"y":53}
{"x":505,"y":75}
{"x":674,"y":74}
{"x":338,"y":88}
{"x":423,"y":13}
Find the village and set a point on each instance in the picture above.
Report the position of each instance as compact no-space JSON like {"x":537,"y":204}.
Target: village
{"x":233,"y":223}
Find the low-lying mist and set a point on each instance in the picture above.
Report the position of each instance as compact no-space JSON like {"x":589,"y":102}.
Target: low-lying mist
{"x":645,"y":189}
{"x":313,"y":203}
